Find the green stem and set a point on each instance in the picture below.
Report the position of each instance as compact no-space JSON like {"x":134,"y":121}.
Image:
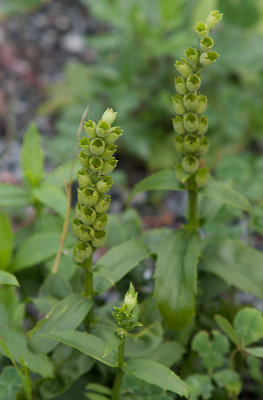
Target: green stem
{"x":192,"y":204}
{"x":88,"y":286}
{"x":120,"y":373}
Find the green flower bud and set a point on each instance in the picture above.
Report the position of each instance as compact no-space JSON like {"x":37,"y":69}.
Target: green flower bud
{"x":97,"y":146}
{"x":86,"y":214}
{"x":114,"y":134}
{"x":104,"y":184}
{"x":103,"y":129}
{"x":208,"y":57}
{"x":100,"y":223}
{"x":178,"y":104}
{"x":109,"y":166}
{"x":190,"y":101}
{"x":213,"y":18}
{"x":203,"y":147}
{"x":109,"y":151}
{"x":130,"y":299}
{"x":202,"y":125}
{"x":191,"y":143}
{"x":182,"y":176}
{"x":180,"y":85}
{"x":76,"y":224}
{"x":192,"y":56}
{"x":95,"y":164}
{"x":178,"y":142}
{"x":98,"y":239}
{"x":190,"y":122}
{"x":84,"y":233}
{"x":190,"y":164}
{"x":201,"y":29}
{"x":88,"y":196}
{"x":85,"y":144}
{"x":109,"y":116}
{"x":178,"y":125}
{"x":84,"y":179}
{"x":103,"y":204}
{"x":202,"y":176}
{"x":202,"y":103}
{"x":81,"y":252}
{"x":90,"y":128}
{"x":206,"y":43}
{"x":84,"y":159}
{"x":183,"y":67}
{"x":193,"y":82}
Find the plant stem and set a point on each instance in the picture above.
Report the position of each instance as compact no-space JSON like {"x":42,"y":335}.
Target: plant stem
{"x":120,"y":373}
{"x":192,"y":205}
{"x":88,"y":285}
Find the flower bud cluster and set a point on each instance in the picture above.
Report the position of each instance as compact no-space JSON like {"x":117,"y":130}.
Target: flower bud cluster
{"x":189,"y":105}
{"x":97,"y":161}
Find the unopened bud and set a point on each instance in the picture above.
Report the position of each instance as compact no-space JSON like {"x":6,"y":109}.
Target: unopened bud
{"x":193,"y":82}
{"x":192,"y":56}
{"x":190,"y":101}
{"x":109,"y":116}
{"x":103,"y":204}
{"x":84,"y":159}
{"x":130,"y":299}
{"x":86,"y":214}
{"x":104,"y":184}
{"x":100,"y":222}
{"x":201,"y":29}
{"x":90,"y":128}
{"x":206,"y":43}
{"x":202,"y":125}
{"x":178,"y":125}
{"x":97,"y":146}
{"x":190,"y":122}
{"x":180,"y":85}
{"x":178,"y":142}
{"x":202,"y":176}
{"x":181,"y":175}
{"x":190,"y":164}
{"x":81,"y":252}
{"x":178,"y":104}
{"x":191,"y":143}
{"x":85,"y":144}
{"x":208,"y":57}
{"x":202,"y":103}
{"x":84,"y":233}
{"x":203,"y":147}
{"x":103,"y":129}
{"x":109,"y":166}
{"x":84,"y":179}
{"x":183,"y":67}
{"x":213,"y":18}
{"x":114,"y":134}
{"x":99,"y":239}
{"x":109,"y":151}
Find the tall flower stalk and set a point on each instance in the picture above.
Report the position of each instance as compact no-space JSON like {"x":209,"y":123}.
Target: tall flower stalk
{"x":94,"y":180}
{"x":190,"y":124}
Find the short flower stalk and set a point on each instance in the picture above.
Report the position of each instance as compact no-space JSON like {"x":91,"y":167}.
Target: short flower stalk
{"x":189,"y":123}
{"x":94,"y":180}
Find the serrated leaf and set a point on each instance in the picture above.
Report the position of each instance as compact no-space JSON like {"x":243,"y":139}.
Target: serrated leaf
{"x":6,"y":240}
{"x":249,"y":325}
{"x":52,"y":197}
{"x":66,"y":314}
{"x":10,"y":383}
{"x":230,"y":380}
{"x":8,"y":279}
{"x":88,"y":344}
{"x":156,"y":374}
{"x":113,"y":343}
{"x":212,"y":352}
{"x":162,"y":180}
{"x":199,"y":386}
{"x":227,"y":328}
{"x":224,"y":193}
{"x":32,"y":155}
{"x":255,"y":351}
{"x":14,"y":196}
{"x":17,"y":345}
{"x":236,"y":263}
{"x":119,"y":261}
{"x":176,"y":277}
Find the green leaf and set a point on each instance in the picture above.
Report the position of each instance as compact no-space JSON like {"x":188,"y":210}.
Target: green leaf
{"x":66,"y":314}
{"x":10,"y":383}
{"x":36,"y":249}
{"x":32,"y":155}
{"x":224,"y":193}
{"x":168,"y":353}
{"x":156,"y":374}
{"x":8,"y":279}
{"x":176,"y":277}
{"x":162,"y":180}
{"x":17,"y":346}
{"x":255,"y":351}
{"x":145,"y":342}
{"x":254,"y":367}
{"x":88,"y":344}
{"x":199,"y":386}
{"x":52,"y":197}
{"x":113,"y":343}
{"x":227,"y":328}
{"x":104,"y":273}
{"x":236,"y":263}
{"x":230,"y":380}
{"x":249,"y":325}
{"x":56,"y":177}
{"x":212,"y":352}
{"x":14,"y":196}
{"x":119,"y":261}
{"x":95,"y":387}
{"x":6,"y":241}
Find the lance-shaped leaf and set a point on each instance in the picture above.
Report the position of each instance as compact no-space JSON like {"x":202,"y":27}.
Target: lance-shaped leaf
{"x":255,"y":351}
{"x":6,"y":241}
{"x":162,"y":180}
{"x":32,"y":156}
{"x":14,"y":196}
{"x":227,"y":328}
{"x":8,"y":279}
{"x":176,"y":277}
{"x":236,"y":263}
{"x":156,"y":374}
{"x":52,"y":197}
